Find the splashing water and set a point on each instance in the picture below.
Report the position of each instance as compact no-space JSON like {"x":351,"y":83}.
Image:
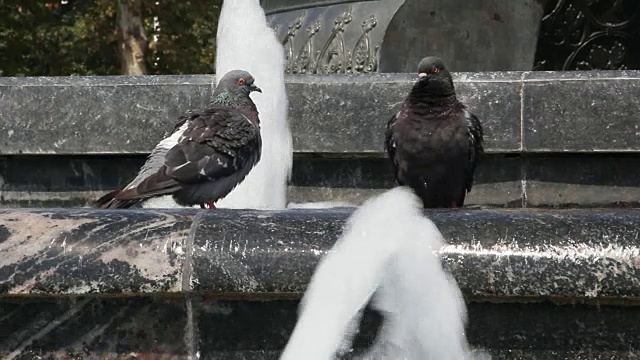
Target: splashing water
{"x":245,"y":41}
{"x":386,"y":251}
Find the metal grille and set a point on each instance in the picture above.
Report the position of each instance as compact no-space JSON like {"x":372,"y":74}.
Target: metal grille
{"x":590,"y":35}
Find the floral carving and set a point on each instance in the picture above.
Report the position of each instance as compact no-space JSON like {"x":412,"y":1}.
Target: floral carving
{"x":333,"y":58}
{"x":363,"y":59}
{"x":604,"y":57}
{"x":304,"y":62}
{"x":288,"y":41}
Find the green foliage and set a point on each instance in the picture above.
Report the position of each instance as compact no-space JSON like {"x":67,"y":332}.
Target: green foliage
{"x":58,"y":38}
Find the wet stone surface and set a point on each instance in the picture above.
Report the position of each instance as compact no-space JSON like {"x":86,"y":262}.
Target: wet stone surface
{"x":248,"y":253}
{"x":586,"y":254}
{"x":583,"y":254}
{"x":80,"y":328}
{"x":240,"y":273}
{"x":230,"y":329}
{"x":575,"y":253}
{"x":154,"y":328}
{"x":81,"y":252}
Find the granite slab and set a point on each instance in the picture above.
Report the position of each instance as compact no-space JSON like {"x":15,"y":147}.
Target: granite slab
{"x":92,"y":252}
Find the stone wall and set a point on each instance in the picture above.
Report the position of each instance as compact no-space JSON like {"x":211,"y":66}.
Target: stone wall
{"x":559,"y":139}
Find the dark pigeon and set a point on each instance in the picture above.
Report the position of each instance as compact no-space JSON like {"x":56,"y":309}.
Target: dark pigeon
{"x":206,"y":156}
{"x":433,"y":141}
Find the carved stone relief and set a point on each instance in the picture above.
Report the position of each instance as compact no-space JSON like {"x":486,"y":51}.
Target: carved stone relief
{"x":335,"y":55}
{"x":590,"y":35}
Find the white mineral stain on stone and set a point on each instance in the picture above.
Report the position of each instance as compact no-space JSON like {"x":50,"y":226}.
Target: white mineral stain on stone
{"x":32,"y":233}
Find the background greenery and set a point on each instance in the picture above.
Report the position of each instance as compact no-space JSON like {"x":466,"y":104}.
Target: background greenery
{"x":59,"y":38}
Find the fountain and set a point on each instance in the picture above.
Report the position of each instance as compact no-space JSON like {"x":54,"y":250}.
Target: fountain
{"x":387,"y":251}
{"x":538,"y":282}
{"x":244,"y":41}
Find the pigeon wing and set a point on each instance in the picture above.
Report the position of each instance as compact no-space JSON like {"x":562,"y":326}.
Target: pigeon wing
{"x":151,"y":166}
{"x":476,"y":149}
{"x":390,"y":145}
{"x":215,"y":144}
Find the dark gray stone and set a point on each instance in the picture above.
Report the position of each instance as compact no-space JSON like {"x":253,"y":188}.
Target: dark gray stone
{"x":495,"y":98}
{"x":231,"y":329}
{"x":85,"y":251}
{"x":106,"y":114}
{"x":63,"y":181}
{"x":497,"y":181}
{"x":581,"y":111}
{"x":584,"y":254}
{"x":347,"y":36}
{"x":336,"y":114}
{"x":157,"y":328}
{"x":553,"y":284}
{"x":348,"y":113}
{"x":72,"y":181}
{"x":227,"y":260}
{"x":554,"y":331}
{"x":93,"y":328}
{"x":581,"y":254}
{"x":332,"y":114}
{"x":583,"y":181}
{"x":485,"y":35}
{"x":570,"y":253}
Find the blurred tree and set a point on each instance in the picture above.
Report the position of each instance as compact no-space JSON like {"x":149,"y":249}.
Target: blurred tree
{"x":133,"y":41}
{"x":186,"y":36}
{"x":71,"y":37}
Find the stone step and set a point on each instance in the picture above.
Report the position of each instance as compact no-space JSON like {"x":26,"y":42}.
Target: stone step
{"x":556,"y":284}
{"x":554,"y":139}
{"x":523,"y":112}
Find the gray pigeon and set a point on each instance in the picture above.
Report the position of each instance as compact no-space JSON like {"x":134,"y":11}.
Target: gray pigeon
{"x":215,"y":150}
{"x":433,"y":141}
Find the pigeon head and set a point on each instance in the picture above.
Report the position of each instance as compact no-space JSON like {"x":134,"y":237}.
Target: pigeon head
{"x":234,"y":86}
{"x":434,"y":79}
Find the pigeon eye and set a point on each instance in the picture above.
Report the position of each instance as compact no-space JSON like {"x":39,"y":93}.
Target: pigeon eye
{"x":241,"y":81}
{"x":435,"y":70}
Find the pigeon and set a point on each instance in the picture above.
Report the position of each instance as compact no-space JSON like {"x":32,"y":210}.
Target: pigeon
{"x":208,"y":153}
{"x":434,"y":142}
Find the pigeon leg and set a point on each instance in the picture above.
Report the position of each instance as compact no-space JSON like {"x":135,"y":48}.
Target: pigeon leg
{"x":453,"y":205}
{"x":211,"y":204}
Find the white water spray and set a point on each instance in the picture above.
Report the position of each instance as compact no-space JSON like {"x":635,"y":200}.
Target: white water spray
{"x":245,"y":41}
{"x":386,"y":251}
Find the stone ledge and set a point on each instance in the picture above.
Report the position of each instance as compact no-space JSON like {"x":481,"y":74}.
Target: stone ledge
{"x":571,"y":255}
{"x":553,"y":111}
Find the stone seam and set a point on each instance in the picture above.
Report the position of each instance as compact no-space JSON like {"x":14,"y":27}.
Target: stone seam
{"x":523,"y":162}
{"x":190,"y":336}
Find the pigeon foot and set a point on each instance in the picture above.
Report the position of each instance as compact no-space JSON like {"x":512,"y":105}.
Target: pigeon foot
{"x":208,"y":205}
{"x":453,"y":205}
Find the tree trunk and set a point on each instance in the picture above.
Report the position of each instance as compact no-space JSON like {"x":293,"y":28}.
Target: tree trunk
{"x":133,"y":41}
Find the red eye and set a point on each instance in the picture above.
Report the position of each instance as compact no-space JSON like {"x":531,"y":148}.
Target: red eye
{"x":435,"y":70}
{"x":241,"y":81}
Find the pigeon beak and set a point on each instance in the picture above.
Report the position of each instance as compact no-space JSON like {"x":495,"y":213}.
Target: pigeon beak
{"x":422,"y":75}
{"x":253,"y":87}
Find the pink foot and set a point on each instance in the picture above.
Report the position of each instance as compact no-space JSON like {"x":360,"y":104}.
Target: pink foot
{"x":211,"y":204}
